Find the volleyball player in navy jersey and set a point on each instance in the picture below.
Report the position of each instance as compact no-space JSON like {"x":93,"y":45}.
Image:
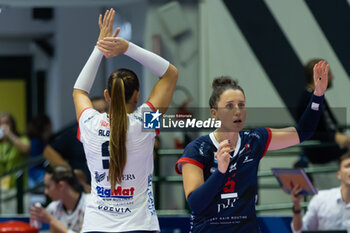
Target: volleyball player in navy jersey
{"x":219,"y":170}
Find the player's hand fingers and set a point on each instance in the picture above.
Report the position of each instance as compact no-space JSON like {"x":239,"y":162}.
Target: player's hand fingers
{"x":224,"y":144}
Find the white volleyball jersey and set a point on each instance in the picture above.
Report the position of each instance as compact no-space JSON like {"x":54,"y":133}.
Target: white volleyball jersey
{"x":131,"y":206}
{"x":73,"y":220}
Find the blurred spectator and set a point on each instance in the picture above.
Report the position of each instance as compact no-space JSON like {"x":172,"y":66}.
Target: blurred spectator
{"x":327,"y":130}
{"x":14,"y":148}
{"x":329,"y":209}
{"x":66,"y":211}
{"x":39,"y":130}
{"x":67,"y":150}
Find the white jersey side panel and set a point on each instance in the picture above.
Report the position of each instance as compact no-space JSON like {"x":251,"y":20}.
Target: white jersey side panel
{"x":131,"y":206}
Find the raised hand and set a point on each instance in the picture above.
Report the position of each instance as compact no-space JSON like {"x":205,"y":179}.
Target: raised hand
{"x":223,"y":155}
{"x":296,"y":196}
{"x":321,"y":70}
{"x":106,"y":25}
{"x":113,"y":46}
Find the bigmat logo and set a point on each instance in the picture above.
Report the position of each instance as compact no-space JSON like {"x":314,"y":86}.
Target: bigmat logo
{"x":119,"y":192}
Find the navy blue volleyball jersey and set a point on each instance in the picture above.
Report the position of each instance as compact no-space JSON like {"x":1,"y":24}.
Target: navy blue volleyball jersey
{"x":233,"y":208}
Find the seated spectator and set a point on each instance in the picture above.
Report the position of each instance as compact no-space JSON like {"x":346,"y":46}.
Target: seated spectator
{"x":66,"y":211}
{"x":39,"y":130}
{"x":67,"y":150}
{"x":329,"y":209}
{"x":14,"y":148}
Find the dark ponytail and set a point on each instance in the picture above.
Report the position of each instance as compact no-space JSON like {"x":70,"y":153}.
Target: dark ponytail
{"x":220,"y":85}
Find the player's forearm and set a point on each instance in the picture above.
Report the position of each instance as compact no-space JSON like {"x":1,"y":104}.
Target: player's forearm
{"x":308,"y":122}
{"x":156,"y":64}
{"x":200,"y":198}
{"x":22,"y":147}
{"x":88,"y":74}
{"x":297,"y":221}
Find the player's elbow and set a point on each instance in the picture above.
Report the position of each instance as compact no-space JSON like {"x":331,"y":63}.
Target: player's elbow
{"x":75,"y":92}
{"x":173,"y":73}
{"x":195,"y":204}
{"x":304,"y":133}
{"x":78,"y":93}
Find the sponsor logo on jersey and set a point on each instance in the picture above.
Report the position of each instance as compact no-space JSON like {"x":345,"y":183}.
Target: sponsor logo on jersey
{"x":119,"y":210}
{"x":151,"y":206}
{"x":233,"y":167}
{"x":99,"y":177}
{"x":229,"y":196}
{"x":89,"y":118}
{"x":137,"y":118}
{"x":151,"y":120}
{"x":247,"y":159}
{"x":104,"y":123}
{"x":201,"y":149}
{"x":119,"y":192}
{"x":229,"y":186}
{"x":255,"y":135}
{"x":245,"y":149}
{"x":229,"y":201}
{"x":126,"y":177}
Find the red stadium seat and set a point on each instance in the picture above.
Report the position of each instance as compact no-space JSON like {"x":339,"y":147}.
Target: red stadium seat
{"x":17,"y":227}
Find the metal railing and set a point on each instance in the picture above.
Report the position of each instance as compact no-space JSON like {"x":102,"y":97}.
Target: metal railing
{"x":20,"y":189}
{"x":159,"y":179}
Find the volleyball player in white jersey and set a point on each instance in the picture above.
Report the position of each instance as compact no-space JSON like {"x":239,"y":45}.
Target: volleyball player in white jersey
{"x":119,"y":153}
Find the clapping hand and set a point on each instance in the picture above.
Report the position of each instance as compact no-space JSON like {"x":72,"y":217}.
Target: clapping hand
{"x":106,"y":25}
{"x":113,"y":46}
